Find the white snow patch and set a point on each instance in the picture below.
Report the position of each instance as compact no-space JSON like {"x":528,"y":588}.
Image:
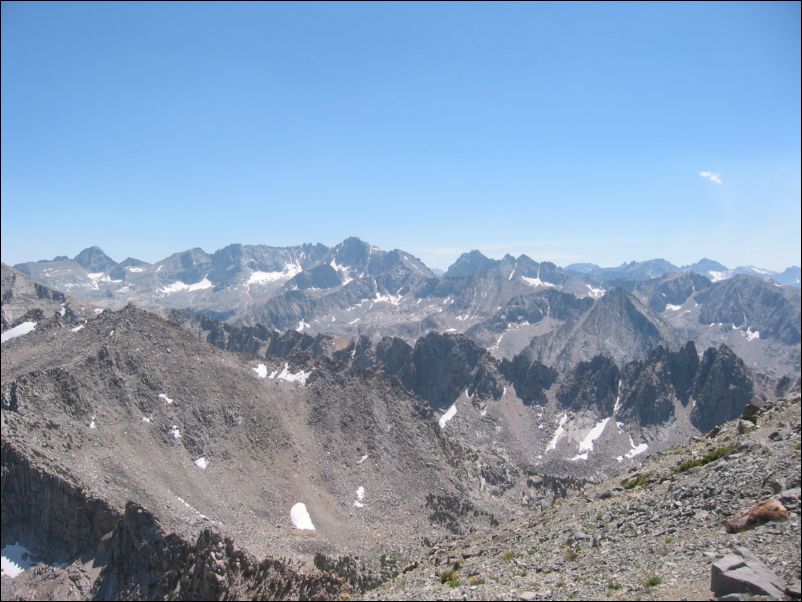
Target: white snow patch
{"x":15,"y":559}
{"x":301,"y":326}
{"x":558,"y":433}
{"x":451,"y":330}
{"x":342,"y":269}
{"x":587,"y":443}
{"x":165,"y":398}
{"x":17,"y":331}
{"x":595,"y":292}
{"x":111,"y":333}
{"x":535,"y":281}
{"x":751,"y":335}
{"x":717,"y":276}
{"x":353,"y":321}
{"x":92,"y":424}
{"x":175,"y":432}
{"x":300,"y":517}
{"x":617,"y":404}
{"x":290,"y":270}
{"x":180,"y":287}
{"x":202,"y":463}
{"x":391,"y":299}
{"x":449,"y":414}
{"x":145,"y":419}
{"x":134,"y":270}
{"x":670,"y":307}
{"x":298,"y":377}
{"x":261,"y":371}
{"x":99,"y":310}
{"x":362,"y":459}
{"x":62,"y":310}
{"x":583,"y":456}
{"x":360,"y":496}
{"x":636,"y":449}
{"x":77,"y":328}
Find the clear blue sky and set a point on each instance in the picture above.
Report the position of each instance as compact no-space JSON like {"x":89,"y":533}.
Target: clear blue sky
{"x":570,"y":132}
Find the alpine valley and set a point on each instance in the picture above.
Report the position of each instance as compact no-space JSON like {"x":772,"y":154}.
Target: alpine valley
{"x":319,"y":422}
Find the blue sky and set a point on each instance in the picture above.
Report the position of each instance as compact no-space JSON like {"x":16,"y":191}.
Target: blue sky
{"x":569,"y":132}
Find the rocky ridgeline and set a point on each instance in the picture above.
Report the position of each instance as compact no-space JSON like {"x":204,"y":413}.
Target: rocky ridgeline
{"x":658,"y":532}
{"x":440,"y":367}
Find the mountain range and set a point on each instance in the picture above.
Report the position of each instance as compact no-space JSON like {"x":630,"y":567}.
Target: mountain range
{"x":307,"y":421}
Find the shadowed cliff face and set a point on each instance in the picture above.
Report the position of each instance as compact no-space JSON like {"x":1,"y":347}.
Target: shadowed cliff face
{"x":147,"y":563}
{"x":721,"y":388}
{"x":441,"y":367}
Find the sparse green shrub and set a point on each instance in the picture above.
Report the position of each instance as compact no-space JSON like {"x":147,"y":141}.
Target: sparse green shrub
{"x":652,"y":580}
{"x":570,"y":553}
{"x":476,"y":580}
{"x":711,"y":456}
{"x":358,"y":576}
{"x":509,"y":555}
{"x":611,"y":584}
{"x":635,"y":481}
{"x":450,"y":578}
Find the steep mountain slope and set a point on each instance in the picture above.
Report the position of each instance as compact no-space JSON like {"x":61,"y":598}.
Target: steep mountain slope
{"x":616,"y":325}
{"x":27,"y":302}
{"x":652,"y":535}
{"x":138,"y":410}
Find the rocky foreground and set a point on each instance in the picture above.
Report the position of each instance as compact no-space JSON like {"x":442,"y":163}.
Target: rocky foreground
{"x":653,"y":534}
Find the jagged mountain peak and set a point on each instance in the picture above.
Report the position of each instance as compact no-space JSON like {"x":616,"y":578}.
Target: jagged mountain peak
{"x":93,"y":259}
{"x":469,"y":263}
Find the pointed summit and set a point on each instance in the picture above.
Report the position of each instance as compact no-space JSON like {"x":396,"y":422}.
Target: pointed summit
{"x":468,"y":264}
{"x":94,"y":259}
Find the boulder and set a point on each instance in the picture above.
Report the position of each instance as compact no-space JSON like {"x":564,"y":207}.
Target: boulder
{"x":742,"y":573}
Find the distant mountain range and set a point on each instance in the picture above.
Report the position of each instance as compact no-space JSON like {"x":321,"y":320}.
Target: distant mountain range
{"x":166,"y":425}
{"x":561,"y":315}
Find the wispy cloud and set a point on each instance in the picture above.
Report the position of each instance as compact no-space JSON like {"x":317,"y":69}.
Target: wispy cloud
{"x":713,"y":177}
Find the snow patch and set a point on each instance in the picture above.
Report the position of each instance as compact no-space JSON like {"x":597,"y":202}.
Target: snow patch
{"x":718,"y":276}
{"x":449,"y":414}
{"x":362,"y":459}
{"x":165,"y":398}
{"x":145,"y":419}
{"x":751,"y":335}
{"x":261,"y":371}
{"x":360,"y":496}
{"x":17,"y":331}
{"x":557,"y":434}
{"x":77,"y":328}
{"x":14,"y":559}
{"x":577,"y":457}
{"x":300,"y":517}
{"x":134,"y":270}
{"x":301,"y":326}
{"x":92,"y":423}
{"x":259,"y":278}
{"x":587,"y":443}
{"x":298,"y":377}
{"x":175,"y":432}
{"x":670,"y":307}
{"x":535,"y":281}
{"x":202,"y":463}
{"x":391,"y":299}
{"x":353,"y":321}
{"x":636,"y":449}
{"x":596,"y":293}
{"x":180,"y":287}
